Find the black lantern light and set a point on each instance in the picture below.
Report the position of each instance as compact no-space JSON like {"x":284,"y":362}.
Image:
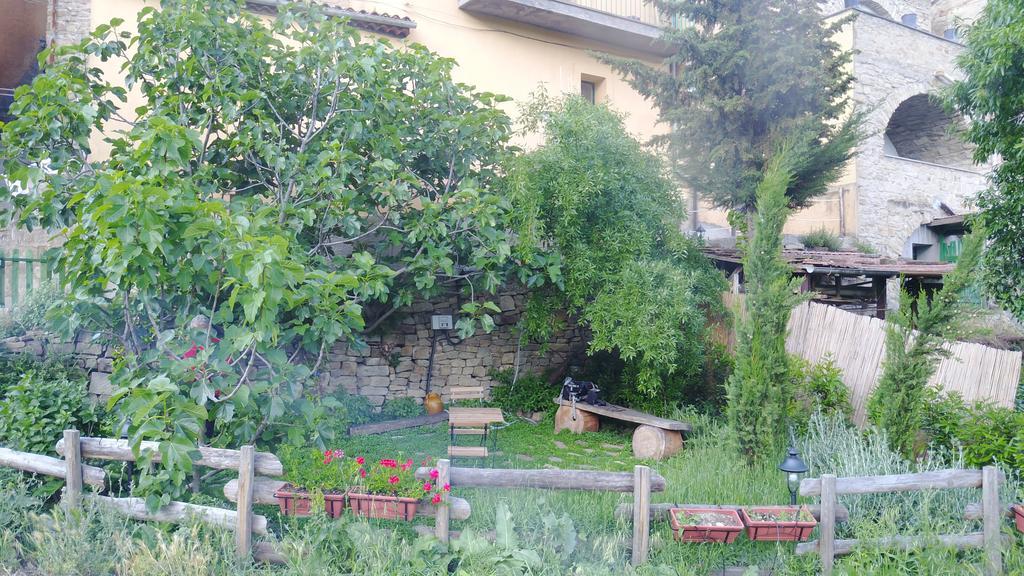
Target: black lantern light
{"x":793,"y":466}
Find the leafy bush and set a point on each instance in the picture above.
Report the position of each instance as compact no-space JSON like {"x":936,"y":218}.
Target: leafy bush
{"x":398,"y":408}
{"x":986,"y":434}
{"x":530,"y":393}
{"x":30,"y":314}
{"x":41,"y":405}
{"x":822,"y":238}
{"x":317,"y":471}
{"x":819,"y":387}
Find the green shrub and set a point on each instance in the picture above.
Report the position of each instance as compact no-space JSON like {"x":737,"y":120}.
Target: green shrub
{"x":530,"y":393}
{"x":398,"y":408}
{"x":30,"y":314}
{"x":985,"y":433}
{"x":822,"y":238}
{"x":44,"y":402}
{"x":819,"y":387}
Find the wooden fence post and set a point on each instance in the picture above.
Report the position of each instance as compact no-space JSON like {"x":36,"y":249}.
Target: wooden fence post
{"x":73,"y":469}
{"x":243,"y":532}
{"x":443,"y":513}
{"x":992,"y":515}
{"x":827,"y":525}
{"x":641,"y":514}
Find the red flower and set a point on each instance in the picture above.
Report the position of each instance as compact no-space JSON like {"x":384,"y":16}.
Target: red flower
{"x":360,"y":460}
{"x":388,"y":463}
{"x":434,"y":474}
{"x":427,"y":487}
{"x":362,"y":472}
{"x":394,"y":480}
{"x":436,"y":499}
{"x":191,"y":353}
{"x":447,"y":487}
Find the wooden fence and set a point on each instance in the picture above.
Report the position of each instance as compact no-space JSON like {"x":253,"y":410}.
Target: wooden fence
{"x":20,"y":274}
{"x":641,"y":482}
{"x":829,"y":488}
{"x":857,"y":345}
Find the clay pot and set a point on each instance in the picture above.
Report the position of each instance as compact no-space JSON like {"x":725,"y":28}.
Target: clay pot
{"x":432,"y":403}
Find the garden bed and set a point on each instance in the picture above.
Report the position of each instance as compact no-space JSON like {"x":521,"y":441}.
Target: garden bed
{"x":778,"y":523}
{"x":691,"y":524}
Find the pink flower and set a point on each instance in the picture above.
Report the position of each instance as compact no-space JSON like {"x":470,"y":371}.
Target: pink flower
{"x":388,"y":463}
{"x":362,"y":472}
{"x":447,"y":487}
{"x":434,"y":474}
{"x":394,"y":480}
{"x":436,"y":499}
{"x":427,"y":487}
{"x":191,"y":353}
{"x":360,"y":460}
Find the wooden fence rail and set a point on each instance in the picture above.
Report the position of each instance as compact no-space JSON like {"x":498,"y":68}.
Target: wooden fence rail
{"x":830,"y":488}
{"x":48,"y":466}
{"x":266,"y":463}
{"x":641,"y":483}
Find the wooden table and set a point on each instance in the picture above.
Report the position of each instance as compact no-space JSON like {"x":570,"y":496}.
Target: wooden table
{"x":655,"y":437}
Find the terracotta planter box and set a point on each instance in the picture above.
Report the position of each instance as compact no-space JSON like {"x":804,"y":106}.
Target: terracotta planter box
{"x":778,"y":523}
{"x":292,"y":502}
{"x":1018,"y":516}
{"x":335,"y":504}
{"x":386,"y":507}
{"x":705,"y":524}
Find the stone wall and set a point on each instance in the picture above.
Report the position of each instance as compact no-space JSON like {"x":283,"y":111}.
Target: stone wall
{"x":395,"y":365}
{"x":72,"y":20}
{"x":87,"y":353}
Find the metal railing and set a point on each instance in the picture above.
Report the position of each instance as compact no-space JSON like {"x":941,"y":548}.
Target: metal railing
{"x":19,"y":275}
{"x":638,"y":10}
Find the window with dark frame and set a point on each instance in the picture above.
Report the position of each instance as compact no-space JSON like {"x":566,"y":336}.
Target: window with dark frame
{"x":588,"y":90}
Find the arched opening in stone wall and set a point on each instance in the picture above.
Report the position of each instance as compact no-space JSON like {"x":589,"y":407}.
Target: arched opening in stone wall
{"x":921,"y":129}
{"x":875,"y":8}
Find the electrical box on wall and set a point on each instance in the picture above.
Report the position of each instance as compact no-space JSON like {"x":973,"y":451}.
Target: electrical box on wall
{"x":441,"y":322}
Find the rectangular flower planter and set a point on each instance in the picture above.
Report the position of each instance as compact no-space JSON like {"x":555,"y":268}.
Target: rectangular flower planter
{"x":692,"y":524}
{"x":1018,"y":516}
{"x":335,"y":504}
{"x":386,"y":507}
{"x":291,"y":502}
{"x":778,"y":523}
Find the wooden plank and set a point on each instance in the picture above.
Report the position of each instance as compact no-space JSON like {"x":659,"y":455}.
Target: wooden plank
{"x":467,"y":451}
{"x":641,"y":515}
{"x":390,"y":425}
{"x":991,"y":519}
{"x":441,"y":517}
{"x":263,"y":489}
{"x":469,"y":431}
{"x":243,"y":534}
{"x":73,"y":466}
{"x":957,"y":541}
{"x":548,"y":479}
{"x":178,"y":512}
{"x":267,"y":553}
{"x":827,"y":526}
{"x":940,"y":479}
{"x":659,"y":511}
{"x":218,"y":458}
{"x":49,"y":466}
{"x":630,"y":415}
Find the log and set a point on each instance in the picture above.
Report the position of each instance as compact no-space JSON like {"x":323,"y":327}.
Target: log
{"x":584,"y":422}
{"x":827,"y":525}
{"x":641,"y":515}
{"x":629,"y":415}
{"x":49,"y":466}
{"x":441,"y":514}
{"x":659,"y":511}
{"x":991,"y":520}
{"x":263,"y":489}
{"x":940,"y":479}
{"x":380,"y":427}
{"x":973,"y":511}
{"x":267,"y":553}
{"x":545,"y":479}
{"x":178,"y":513}
{"x":218,"y":458}
{"x":72,"y":471}
{"x":244,"y":516}
{"x":957,"y":541}
{"x":655,"y":443}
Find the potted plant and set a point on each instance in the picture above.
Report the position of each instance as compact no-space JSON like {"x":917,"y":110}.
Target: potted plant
{"x":313,"y":475}
{"x":694,"y":524}
{"x":389,"y":489}
{"x":1018,"y":516}
{"x":778,"y":523}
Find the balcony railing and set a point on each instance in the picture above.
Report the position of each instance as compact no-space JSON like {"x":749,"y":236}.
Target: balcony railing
{"x":633,"y":9}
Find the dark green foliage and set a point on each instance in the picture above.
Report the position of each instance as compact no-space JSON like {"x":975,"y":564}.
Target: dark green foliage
{"x":818,"y":387}
{"x":46,"y":400}
{"x":744,"y":77}
{"x":821,"y":238}
{"x":760,"y":389}
{"x":529,"y":393}
{"x":985,"y":433}
{"x":992,"y":96}
{"x":614,"y":257}
{"x":914,"y":338}
{"x":30,"y":314}
{"x":398,"y":408}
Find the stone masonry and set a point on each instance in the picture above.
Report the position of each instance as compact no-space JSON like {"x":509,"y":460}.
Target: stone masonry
{"x":93,"y":357}
{"x":395,"y":365}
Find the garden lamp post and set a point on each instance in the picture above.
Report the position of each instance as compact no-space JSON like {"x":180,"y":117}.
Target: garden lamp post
{"x":793,"y":466}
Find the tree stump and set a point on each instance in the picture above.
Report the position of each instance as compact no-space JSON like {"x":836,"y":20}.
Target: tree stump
{"x":655,"y":443}
{"x":584,"y":422}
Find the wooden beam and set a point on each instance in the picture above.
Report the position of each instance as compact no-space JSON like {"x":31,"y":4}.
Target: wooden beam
{"x":218,"y":458}
{"x":940,"y":479}
{"x":263,"y":489}
{"x":441,"y":515}
{"x":659,"y":511}
{"x":73,"y":470}
{"x":243,"y":535}
{"x":641,"y":515}
{"x":957,"y":541}
{"x":827,"y":526}
{"x":267,"y":553}
{"x":991,"y":520}
{"x":49,"y":466}
{"x":973,"y":511}
{"x":380,"y":427}
{"x":178,"y":512}
{"x":545,"y":479}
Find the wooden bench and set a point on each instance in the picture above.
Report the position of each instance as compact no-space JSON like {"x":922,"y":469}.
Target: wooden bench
{"x":654,"y":438}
